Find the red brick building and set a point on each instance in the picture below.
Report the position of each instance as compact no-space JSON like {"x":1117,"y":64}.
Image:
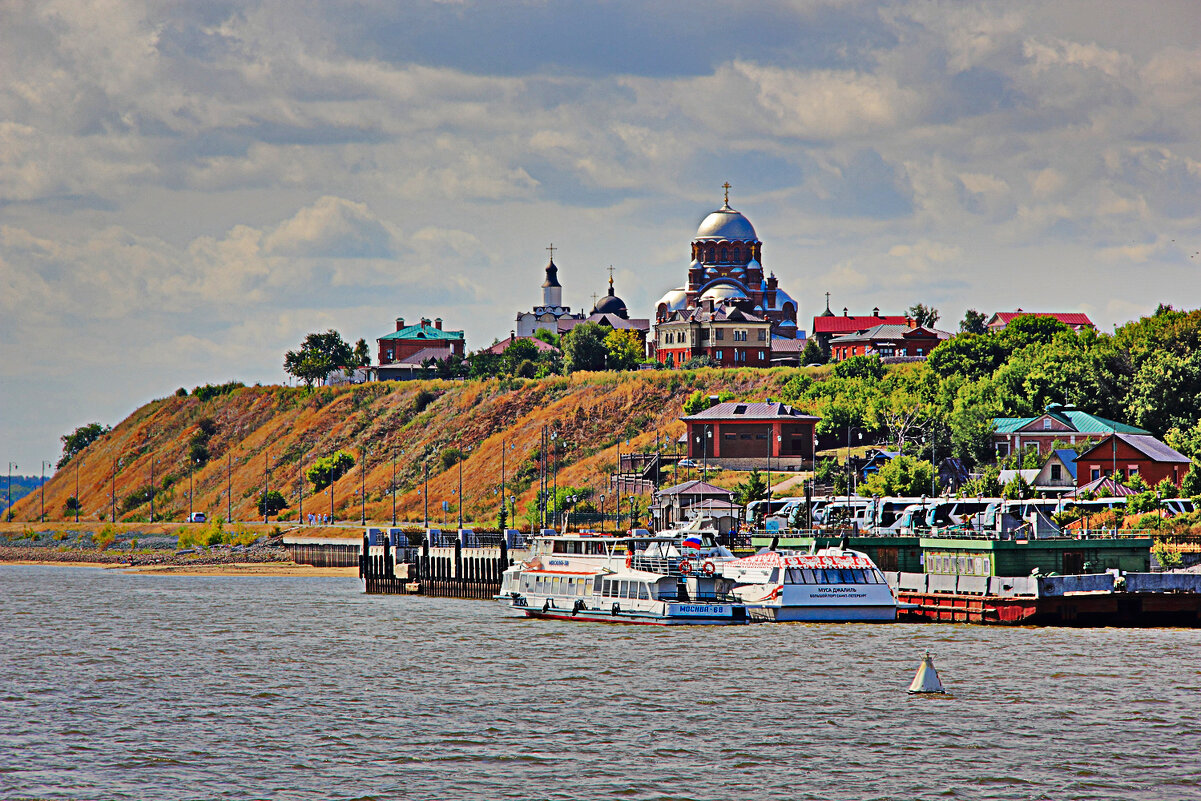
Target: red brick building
{"x":887,"y":340}
{"x":751,"y":431}
{"x":1077,"y":321}
{"x":1129,"y":455}
{"x":408,"y":340}
{"x":828,"y":325}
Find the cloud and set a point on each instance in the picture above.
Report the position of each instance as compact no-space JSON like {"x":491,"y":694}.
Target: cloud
{"x":331,"y":228}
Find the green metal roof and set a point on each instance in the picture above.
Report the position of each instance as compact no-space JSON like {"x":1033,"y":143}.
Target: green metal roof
{"x":423,"y":332}
{"x":1078,"y":421}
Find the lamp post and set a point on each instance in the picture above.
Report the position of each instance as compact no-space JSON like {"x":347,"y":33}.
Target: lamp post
{"x":304,"y":457}
{"x":8,"y":509}
{"x":363,"y":488}
{"x":42,"y":510}
{"x":706,"y":435}
{"x":394,"y":487}
{"x":113,"y":495}
{"x":461,"y":460}
{"x":850,"y":474}
{"x":266,"y":508}
{"x":427,"y":495}
{"x":602,"y":500}
{"x":191,"y":486}
{"x":331,"y":500}
{"x":77,"y":490}
{"x":152,"y":461}
{"x":229,"y":466}
{"x":554,"y":450}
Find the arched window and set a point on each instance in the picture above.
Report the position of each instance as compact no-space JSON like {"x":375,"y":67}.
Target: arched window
{"x":737,"y":255}
{"x":709,"y":255}
{"x":724,"y":257}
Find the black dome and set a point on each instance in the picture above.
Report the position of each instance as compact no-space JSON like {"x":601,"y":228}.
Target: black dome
{"x":611,"y":304}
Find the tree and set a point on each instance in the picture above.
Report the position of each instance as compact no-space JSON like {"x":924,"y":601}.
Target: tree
{"x":584,"y":347}
{"x":1018,"y":489}
{"x":317,"y":356}
{"x":812,"y":354}
{"x":696,"y":403}
{"x":923,"y":315}
{"x":328,"y":469}
{"x":362,"y":353}
{"x":625,"y":349}
{"x":860,"y":367}
{"x":547,"y":336}
{"x":1190,"y":485}
{"x":79,"y":439}
{"x":901,"y":475}
{"x":1031,"y":329}
{"x":971,"y":356}
{"x":271,"y":503}
{"x":521,"y":350}
{"x":973,"y":322}
{"x":753,"y":489}
{"x":697,"y":362}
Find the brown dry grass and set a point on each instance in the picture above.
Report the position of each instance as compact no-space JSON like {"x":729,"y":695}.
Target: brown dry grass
{"x":594,"y":413}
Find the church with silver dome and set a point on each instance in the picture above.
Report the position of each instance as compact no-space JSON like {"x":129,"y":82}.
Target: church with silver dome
{"x":726,"y":277}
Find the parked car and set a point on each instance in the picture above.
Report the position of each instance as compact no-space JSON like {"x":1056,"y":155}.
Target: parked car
{"x":198,"y":517}
{"x":687,"y":463}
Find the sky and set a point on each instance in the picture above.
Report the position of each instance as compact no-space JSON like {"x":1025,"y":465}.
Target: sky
{"x":188,"y":189}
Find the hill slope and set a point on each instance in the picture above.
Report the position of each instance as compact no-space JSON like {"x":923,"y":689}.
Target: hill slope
{"x":273,"y":428}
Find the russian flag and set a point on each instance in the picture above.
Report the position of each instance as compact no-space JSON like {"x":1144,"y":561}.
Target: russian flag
{"x":693,"y":542}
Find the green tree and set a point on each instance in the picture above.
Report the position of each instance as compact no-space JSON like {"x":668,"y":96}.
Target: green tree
{"x":1166,"y":489}
{"x":696,"y":403}
{"x":625,"y":349}
{"x":860,"y":367}
{"x":271,"y":502}
{"x":923,"y":315}
{"x":71,"y":507}
{"x":547,"y":336}
{"x":362,"y":353}
{"x":1165,"y":392}
{"x":484,"y":364}
{"x":1190,"y":485}
{"x":1018,"y":489}
{"x":449,"y":457}
{"x":1031,"y":329}
{"x":80,"y":438}
{"x":973,"y":322}
{"x":754,"y":488}
{"x":697,"y":362}
{"x":584,"y":347}
{"x":902,"y":475}
{"x":318,"y":356}
{"x":971,"y":356}
{"x":328,"y":469}
{"x":812,"y":354}
{"x":1187,"y":440}
{"x":521,"y":350}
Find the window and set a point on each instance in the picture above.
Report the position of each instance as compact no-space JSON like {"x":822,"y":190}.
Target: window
{"x":1095,"y":472}
{"x":919,"y":351}
{"x":1056,"y":472}
{"x":1131,"y":470}
{"x":762,"y":334}
{"x":729,"y":436}
{"x":721,"y":334}
{"x":762,"y":355}
{"x":737,"y":255}
{"x":1047,"y":424}
{"x":724,"y":255}
{"x":761,"y":436}
{"x":744,"y":436}
{"x":717,"y":355}
{"x":388,"y":353}
{"x":739,"y":335}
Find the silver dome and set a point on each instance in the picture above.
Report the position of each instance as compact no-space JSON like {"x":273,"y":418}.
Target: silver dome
{"x":725,"y":223}
{"x":674,"y":300}
{"x":721,"y":292}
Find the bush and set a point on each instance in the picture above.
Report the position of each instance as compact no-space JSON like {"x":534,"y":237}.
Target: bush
{"x":423,"y":399}
{"x":868,"y":367}
{"x":329,"y":469}
{"x":271,"y":502}
{"x":449,"y":457}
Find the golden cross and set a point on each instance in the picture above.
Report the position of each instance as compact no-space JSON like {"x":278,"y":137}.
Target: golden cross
{"x":552,"y":251}
{"x":726,"y":186}
{"x":610,"y":276}
{"x":594,"y":300}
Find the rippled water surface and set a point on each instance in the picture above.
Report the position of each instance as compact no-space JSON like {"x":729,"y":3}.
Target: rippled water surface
{"x":128,"y":686}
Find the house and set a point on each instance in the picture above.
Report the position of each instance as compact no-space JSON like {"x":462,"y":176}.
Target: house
{"x":872,"y":461}
{"x":1058,"y":473}
{"x":887,"y":340}
{"x":786,"y":351}
{"x":503,"y":345}
{"x":723,"y":330}
{"x":752,"y":435}
{"x":413,"y":365}
{"x":405,"y":341}
{"x":1130,"y":455}
{"x":828,"y":325}
{"x":671,"y":505}
{"x":1007,"y":476}
{"x":1077,"y":321}
{"x":1058,"y":422}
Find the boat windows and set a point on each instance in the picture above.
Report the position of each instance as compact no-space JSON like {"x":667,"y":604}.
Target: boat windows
{"x":644,"y":592}
{"x":624,"y":592}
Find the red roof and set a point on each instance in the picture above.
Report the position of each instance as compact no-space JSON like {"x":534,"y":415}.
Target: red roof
{"x":848,"y":324}
{"x":1067,"y":318}
{"x":543,"y":347}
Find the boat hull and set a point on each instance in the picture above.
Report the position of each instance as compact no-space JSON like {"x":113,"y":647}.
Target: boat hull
{"x":825,"y":614}
{"x":1077,"y":609}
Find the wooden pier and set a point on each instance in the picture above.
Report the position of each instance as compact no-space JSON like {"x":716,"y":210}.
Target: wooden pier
{"x":444,"y":571}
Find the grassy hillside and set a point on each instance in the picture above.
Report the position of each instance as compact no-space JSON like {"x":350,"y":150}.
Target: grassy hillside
{"x":277,"y":426}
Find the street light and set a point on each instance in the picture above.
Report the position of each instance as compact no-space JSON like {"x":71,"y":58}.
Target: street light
{"x":229,"y":465}
{"x":266,"y":479}
{"x":9,"y":507}
{"x":394,"y":486}
{"x":706,"y":435}
{"x":602,"y":500}
{"x":363,"y":487}
{"x":77,"y":504}
{"x":462,"y":458}
{"x":850,"y":474}
{"x":152,"y":463}
{"x":113,"y":495}
{"x":42,"y":511}
{"x":427,"y":495}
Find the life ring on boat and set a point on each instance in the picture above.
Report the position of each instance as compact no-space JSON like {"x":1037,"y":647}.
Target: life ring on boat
{"x":709,"y":568}
{"x":629,"y":560}
{"x":616,"y":610}
{"x":685,"y":566}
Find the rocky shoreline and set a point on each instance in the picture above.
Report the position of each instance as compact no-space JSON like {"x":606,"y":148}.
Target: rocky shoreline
{"x":207,"y":556}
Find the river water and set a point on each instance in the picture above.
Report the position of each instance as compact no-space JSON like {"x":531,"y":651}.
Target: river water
{"x":146,"y":687}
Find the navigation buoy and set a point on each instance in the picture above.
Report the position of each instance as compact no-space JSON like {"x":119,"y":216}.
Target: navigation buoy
{"x":926,"y":680}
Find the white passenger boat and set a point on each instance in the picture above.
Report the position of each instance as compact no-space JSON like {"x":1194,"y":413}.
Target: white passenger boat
{"x":833,"y":585}
{"x":661,"y":580}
